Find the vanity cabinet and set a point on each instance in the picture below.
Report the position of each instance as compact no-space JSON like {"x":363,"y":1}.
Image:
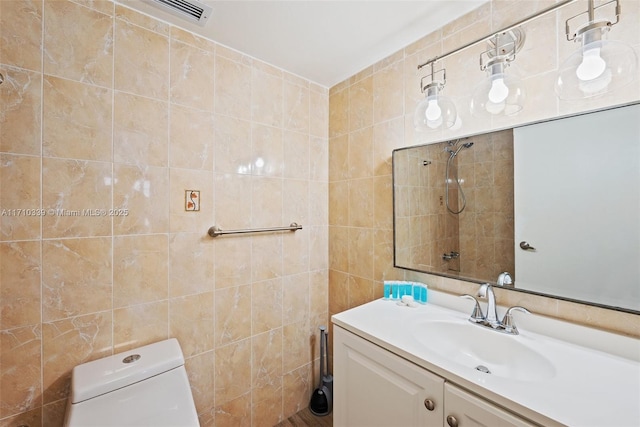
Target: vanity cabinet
{"x":374,"y":387}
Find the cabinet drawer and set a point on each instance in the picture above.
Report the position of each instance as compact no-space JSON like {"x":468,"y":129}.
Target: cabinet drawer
{"x":463,"y":409}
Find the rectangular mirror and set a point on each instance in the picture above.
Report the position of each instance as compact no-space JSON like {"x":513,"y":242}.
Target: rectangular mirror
{"x":555,"y":205}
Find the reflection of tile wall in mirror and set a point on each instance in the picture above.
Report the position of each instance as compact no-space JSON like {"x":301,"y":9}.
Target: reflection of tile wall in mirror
{"x":478,"y":241}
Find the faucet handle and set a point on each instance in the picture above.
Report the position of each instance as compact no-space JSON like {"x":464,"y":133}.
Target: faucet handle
{"x":507,"y":321}
{"x":476,"y":314}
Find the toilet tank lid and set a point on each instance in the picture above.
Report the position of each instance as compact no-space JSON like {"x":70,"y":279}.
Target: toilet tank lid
{"x":102,"y":376}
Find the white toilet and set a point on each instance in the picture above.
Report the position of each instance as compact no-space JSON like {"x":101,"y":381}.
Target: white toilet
{"x":146,"y":386}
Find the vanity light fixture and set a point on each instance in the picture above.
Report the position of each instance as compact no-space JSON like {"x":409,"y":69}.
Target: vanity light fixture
{"x":600,"y":65}
{"x":502,"y":92}
{"x":435,"y":111}
{"x":498,"y":80}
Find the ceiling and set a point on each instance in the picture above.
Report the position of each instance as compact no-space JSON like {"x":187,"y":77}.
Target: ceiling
{"x":325,"y":41}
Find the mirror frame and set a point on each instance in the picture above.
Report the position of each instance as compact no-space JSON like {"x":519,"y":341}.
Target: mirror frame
{"x":479,"y":281}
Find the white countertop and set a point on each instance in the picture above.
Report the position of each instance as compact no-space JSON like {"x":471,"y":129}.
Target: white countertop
{"x":595,"y":385}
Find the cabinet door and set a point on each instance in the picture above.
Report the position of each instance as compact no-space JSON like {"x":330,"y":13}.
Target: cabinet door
{"x":463,"y":409}
{"x":373,"y":387}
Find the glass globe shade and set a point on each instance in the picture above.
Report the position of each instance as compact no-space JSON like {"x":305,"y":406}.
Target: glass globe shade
{"x":434,"y":112}
{"x":598,"y":67}
{"x":501,"y":93}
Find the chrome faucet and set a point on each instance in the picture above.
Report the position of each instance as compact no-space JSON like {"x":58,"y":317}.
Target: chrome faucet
{"x":486,"y":291}
{"x":504,"y":279}
{"x":490,"y":320}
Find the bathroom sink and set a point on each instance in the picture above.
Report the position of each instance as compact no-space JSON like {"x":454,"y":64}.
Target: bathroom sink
{"x":546,"y":373}
{"x":487,"y":351}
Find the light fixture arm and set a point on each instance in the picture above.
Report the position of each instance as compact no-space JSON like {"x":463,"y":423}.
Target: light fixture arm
{"x":505,"y":29}
{"x":592,"y":23}
{"x":439,"y":84}
{"x":502,"y":48}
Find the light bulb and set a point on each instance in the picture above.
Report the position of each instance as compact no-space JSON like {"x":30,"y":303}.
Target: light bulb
{"x":495,"y":107}
{"x":499,"y":91}
{"x":592,"y":65}
{"x":435,"y":124}
{"x":433,"y":112}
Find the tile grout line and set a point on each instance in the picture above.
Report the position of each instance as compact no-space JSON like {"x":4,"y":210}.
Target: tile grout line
{"x":42,"y":56}
{"x":113,"y":119}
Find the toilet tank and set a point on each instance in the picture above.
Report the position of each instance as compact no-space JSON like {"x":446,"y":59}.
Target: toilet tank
{"x":146,"y":386}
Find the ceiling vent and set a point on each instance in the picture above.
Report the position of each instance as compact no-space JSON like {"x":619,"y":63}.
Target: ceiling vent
{"x":191,"y":10}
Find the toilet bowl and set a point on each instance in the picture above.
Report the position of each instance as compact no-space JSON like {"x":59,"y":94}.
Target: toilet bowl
{"x":146,"y":386}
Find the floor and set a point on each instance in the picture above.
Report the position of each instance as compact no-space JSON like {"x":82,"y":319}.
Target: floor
{"x":305,"y":418}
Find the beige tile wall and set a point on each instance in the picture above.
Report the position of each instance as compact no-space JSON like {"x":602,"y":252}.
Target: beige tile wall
{"x":105,"y":108}
{"x":370,"y":114}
